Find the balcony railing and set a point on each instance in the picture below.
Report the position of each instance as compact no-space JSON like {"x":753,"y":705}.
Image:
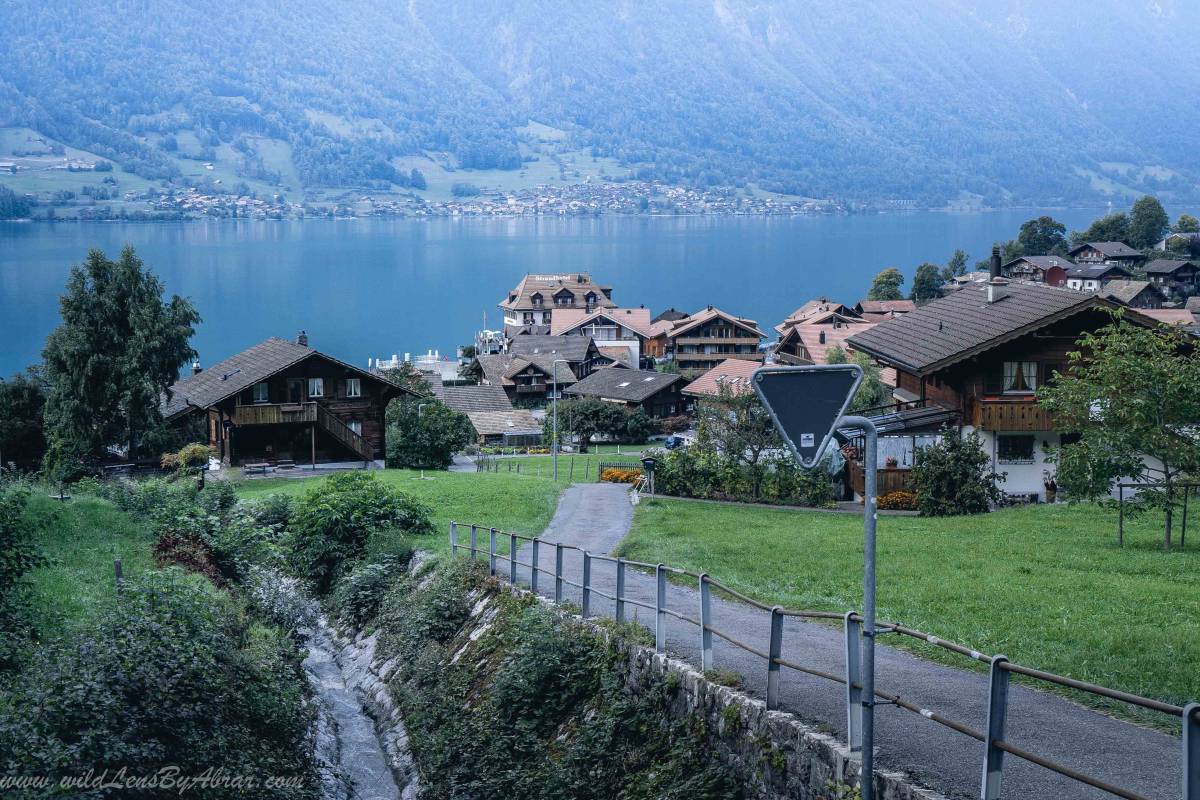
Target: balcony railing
{"x":275,"y":413}
{"x":531,"y":388}
{"x":1021,"y":413}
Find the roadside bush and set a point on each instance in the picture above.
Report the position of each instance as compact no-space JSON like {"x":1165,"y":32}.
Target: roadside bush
{"x":272,"y":511}
{"x":218,"y":497}
{"x":953,"y":477}
{"x":898,"y":501}
{"x":334,"y":519}
{"x":700,"y":473}
{"x":171,"y":677}
{"x":18,"y":555}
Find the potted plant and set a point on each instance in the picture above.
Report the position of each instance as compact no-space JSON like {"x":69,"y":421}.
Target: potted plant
{"x":891,"y":462}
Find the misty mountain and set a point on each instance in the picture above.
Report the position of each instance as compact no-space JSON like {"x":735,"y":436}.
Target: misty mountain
{"x":921,"y":100}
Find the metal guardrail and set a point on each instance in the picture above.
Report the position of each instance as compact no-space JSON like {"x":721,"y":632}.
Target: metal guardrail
{"x":999,"y":667}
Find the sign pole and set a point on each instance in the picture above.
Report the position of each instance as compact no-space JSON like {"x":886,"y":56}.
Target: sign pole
{"x":870,"y":517}
{"x":808,"y":405}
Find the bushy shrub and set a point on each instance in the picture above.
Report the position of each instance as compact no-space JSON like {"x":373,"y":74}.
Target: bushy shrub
{"x":218,"y":497}
{"x":273,"y":511}
{"x":898,"y":500}
{"x":170,"y":677}
{"x":334,"y":519}
{"x":954,"y":477}
{"x":357,"y":597}
{"x":18,"y":555}
{"x":697,"y":472}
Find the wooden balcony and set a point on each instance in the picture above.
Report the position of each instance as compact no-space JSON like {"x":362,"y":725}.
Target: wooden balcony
{"x":531,"y":388}
{"x":750,"y":341}
{"x":275,"y":413}
{"x":1021,"y":413}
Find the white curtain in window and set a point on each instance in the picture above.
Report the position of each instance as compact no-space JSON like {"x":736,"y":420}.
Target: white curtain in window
{"x":1010,"y":376}
{"x":1029,"y":368}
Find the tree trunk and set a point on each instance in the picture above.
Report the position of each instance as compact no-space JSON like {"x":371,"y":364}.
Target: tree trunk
{"x":1167,"y":532}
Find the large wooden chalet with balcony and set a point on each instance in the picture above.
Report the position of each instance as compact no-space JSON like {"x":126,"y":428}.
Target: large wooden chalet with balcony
{"x":974,"y":359}
{"x":700,"y":341}
{"x":284,"y":402}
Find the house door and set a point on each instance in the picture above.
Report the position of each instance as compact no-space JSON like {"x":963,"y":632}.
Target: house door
{"x":296,"y":391}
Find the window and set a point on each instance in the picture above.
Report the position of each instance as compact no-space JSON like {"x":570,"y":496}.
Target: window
{"x":260,"y":393}
{"x":355,"y":425}
{"x":353,"y":387}
{"x":1020,"y":376}
{"x":1014,"y":449}
{"x":316,"y":387}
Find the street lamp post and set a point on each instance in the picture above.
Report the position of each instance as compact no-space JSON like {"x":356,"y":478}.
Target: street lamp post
{"x":554,"y":404}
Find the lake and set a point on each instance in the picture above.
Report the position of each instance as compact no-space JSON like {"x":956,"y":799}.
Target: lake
{"x":368,"y":288}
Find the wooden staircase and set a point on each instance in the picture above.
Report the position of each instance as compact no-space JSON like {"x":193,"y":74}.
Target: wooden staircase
{"x":341,"y":431}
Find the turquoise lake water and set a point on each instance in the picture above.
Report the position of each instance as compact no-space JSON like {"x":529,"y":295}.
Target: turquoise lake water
{"x":370,"y":288}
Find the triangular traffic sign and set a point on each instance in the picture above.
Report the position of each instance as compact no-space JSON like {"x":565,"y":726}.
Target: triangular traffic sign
{"x":805,"y":403}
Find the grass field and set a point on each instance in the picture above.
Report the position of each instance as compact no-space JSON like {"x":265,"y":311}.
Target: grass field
{"x":81,"y":539}
{"x":580,"y":467}
{"x":518,"y":503}
{"x":1045,"y":585}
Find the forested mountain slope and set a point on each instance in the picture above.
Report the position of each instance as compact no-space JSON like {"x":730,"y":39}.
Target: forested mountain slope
{"x":896,"y":99}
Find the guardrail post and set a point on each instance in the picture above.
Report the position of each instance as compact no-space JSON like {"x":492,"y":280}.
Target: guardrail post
{"x":620,"y":593}
{"x":706,"y":659}
{"x":533,"y":573}
{"x":474,"y":541}
{"x":1191,"y":751}
{"x":453,"y":538}
{"x":660,"y":616}
{"x":587,"y":584}
{"x":558,"y":579}
{"x":854,"y":706}
{"x":993,"y":757}
{"x":492,"y":550}
{"x":774,"y":653}
{"x":512,"y":559}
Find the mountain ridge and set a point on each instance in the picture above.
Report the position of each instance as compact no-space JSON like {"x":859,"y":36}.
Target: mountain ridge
{"x":899,"y":100}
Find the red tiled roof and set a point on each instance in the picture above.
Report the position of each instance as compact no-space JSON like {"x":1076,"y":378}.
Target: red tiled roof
{"x":732,"y":372}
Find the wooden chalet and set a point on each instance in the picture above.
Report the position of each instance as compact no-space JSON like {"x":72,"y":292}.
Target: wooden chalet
{"x":1116,"y":253}
{"x":702,"y":340}
{"x":1174,"y":276}
{"x":978,"y":355}
{"x":284,"y":401}
{"x":1050,"y":270}
{"x":656,"y":393}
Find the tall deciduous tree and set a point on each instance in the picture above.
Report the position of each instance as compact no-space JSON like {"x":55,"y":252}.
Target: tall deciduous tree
{"x":423,"y":433}
{"x":1042,"y":236}
{"x":1133,"y":401}
{"x":1148,"y":222}
{"x":586,"y":417}
{"x":956,"y":266}
{"x":886,"y":285}
{"x":119,"y":348}
{"x":1111,"y":228}
{"x":736,"y":426}
{"x":1187,"y":224}
{"x":927,"y":283}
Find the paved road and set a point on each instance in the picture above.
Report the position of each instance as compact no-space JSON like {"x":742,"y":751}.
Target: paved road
{"x":598,"y":516}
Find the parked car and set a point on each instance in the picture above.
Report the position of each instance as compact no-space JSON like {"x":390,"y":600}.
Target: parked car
{"x":671,"y":442}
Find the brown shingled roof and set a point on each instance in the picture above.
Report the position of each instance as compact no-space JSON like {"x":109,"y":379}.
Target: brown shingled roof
{"x":959,"y":325}
{"x":732,"y":372}
{"x":630,"y":385}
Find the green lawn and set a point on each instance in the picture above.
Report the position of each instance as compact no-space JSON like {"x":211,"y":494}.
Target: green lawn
{"x":81,"y":539}
{"x":1045,"y":585}
{"x":518,"y":503}
{"x":576,"y":467}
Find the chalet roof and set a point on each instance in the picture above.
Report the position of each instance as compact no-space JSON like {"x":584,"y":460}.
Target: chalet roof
{"x":499,"y":369}
{"x":239,"y":372}
{"x":835,"y":336}
{"x":468,"y":399}
{"x":513,"y":331}
{"x":630,"y":385}
{"x":817,"y":307}
{"x":578,"y":283}
{"x":498,"y":423}
{"x":1169,"y":316}
{"x":1167,"y":266}
{"x":735,"y":373}
{"x":621,"y":356}
{"x":1108,"y":249}
{"x":670,"y":315}
{"x":1124,"y":291}
{"x":565,"y":320}
{"x":963,"y":323}
{"x":885,"y":306}
{"x":1096,"y":271}
{"x":1042,"y":262}
{"x":709,"y":314}
{"x":572,"y":348}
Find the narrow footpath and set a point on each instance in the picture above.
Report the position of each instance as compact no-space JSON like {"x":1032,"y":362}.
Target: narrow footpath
{"x":598,"y":516}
